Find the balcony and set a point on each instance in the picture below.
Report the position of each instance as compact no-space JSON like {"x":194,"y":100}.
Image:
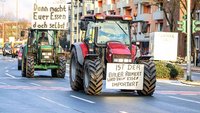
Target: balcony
{"x":111,"y":7}
{"x":141,"y":1}
{"x":158,"y":15}
{"x":123,"y":3}
{"x":98,"y":10}
{"x":144,"y":17}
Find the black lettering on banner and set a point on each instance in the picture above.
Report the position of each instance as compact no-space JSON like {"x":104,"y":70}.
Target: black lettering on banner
{"x":118,"y":84}
{"x":43,"y":25}
{"x":37,"y":8}
{"x":57,"y":25}
{"x":119,"y":67}
{"x":60,"y":8}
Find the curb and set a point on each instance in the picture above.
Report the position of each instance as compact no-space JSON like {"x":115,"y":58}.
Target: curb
{"x":194,"y":83}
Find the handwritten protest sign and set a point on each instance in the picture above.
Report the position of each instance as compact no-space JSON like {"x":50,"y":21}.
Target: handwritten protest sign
{"x":50,"y":16}
{"x":124,"y":76}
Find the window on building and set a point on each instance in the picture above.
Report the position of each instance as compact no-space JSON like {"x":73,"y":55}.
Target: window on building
{"x":113,"y":1}
{"x":198,"y":15}
{"x":146,"y":9}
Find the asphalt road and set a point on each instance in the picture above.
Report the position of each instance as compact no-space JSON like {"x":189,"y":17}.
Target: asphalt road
{"x":44,"y":94}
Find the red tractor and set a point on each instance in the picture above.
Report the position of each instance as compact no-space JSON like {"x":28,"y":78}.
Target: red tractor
{"x":107,"y":53}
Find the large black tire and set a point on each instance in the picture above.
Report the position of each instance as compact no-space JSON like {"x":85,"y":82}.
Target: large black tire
{"x":19,"y":64}
{"x":54,"y":73}
{"x":23,"y":67}
{"x":30,"y":67}
{"x":75,"y":72}
{"x":149,"y":79}
{"x":4,"y":53}
{"x":93,"y":77}
{"x":62,"y":67}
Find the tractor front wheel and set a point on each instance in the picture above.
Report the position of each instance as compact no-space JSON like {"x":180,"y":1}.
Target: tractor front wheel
{"x":54,"y":73}
{"x":149,"y":79}
{"x":93,"y":77}
{"x":76,"y":82}
{"x":30,"y":67}
{"x":23,"y":67}
{"x":62,"y":67}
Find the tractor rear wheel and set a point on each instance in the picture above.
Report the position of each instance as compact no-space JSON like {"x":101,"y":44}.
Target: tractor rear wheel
{"x":30,"y":67}
{"x":62,"y":67}
{"x":23,"y":67}
{"x":76,"y":82}
{"x":149,"y":79}
{"x":93,"y":77}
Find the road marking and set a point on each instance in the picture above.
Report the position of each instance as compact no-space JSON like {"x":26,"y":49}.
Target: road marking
{"x":49,"y":100}
{"x":73,"y":96}
{"x":7,"y":71}
{"x":3,"y":83}
{"x":178,"y":92}
{"x":59,"y":104}
{"x":173,"y":83}
{"x":13,"y":68}
{"x":123,"y":112}
{"x":188,"y":100}
{"x":35,"y":84}
{"x":10,"y":75}
{"x":35,"y":88}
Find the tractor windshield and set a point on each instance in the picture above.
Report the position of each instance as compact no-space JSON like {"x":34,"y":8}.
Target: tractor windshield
{"x":46,"y":37}
{"x":113,"y":31}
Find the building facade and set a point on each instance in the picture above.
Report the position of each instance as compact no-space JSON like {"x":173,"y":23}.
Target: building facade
{"x":149,"y":11}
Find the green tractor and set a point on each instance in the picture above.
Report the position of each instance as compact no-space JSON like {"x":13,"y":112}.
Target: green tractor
{"x":43,"y":52}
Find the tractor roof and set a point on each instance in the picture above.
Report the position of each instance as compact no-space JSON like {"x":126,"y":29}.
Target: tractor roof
{"x":100,"y":16}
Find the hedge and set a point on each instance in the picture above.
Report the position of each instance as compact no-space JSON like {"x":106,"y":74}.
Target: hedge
{"x":168,"y":70}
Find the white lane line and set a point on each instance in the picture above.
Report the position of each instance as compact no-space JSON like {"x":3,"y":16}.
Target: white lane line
{"x":49,"y":100}
{"x":10,"y":75}
{"x":3,"y":83}
{"x":35,"y":84}
{"x":73,"y":96}
{"x":188,"y":100}
{"x":123,"y":112}
{"x":7,"y":71}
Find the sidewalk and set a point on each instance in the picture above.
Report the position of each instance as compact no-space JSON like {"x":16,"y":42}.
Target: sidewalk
{"x":195,"y":80}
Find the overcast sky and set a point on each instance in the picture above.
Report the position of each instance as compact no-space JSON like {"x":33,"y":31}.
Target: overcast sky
{"x":8,"y":7}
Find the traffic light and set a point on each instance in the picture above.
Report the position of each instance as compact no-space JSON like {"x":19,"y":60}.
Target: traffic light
{"x":195,"y":26}
{"x":182,"y":26}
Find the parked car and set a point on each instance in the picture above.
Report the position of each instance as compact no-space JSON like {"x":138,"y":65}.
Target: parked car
{"x":7,"y":50}
{"x":1,"y":49}
{"x":15,"y":48}
{"x":19,"y":56}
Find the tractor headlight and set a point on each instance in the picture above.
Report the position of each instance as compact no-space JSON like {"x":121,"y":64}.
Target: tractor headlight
{"x":122,"y":58}
{"x":49,"y":54}
{"x":46,"y":56}
{"x":45,"y":53}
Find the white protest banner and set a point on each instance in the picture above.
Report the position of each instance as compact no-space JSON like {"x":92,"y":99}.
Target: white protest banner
{"x":124,"y":76}
{"x":49,"y":16}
